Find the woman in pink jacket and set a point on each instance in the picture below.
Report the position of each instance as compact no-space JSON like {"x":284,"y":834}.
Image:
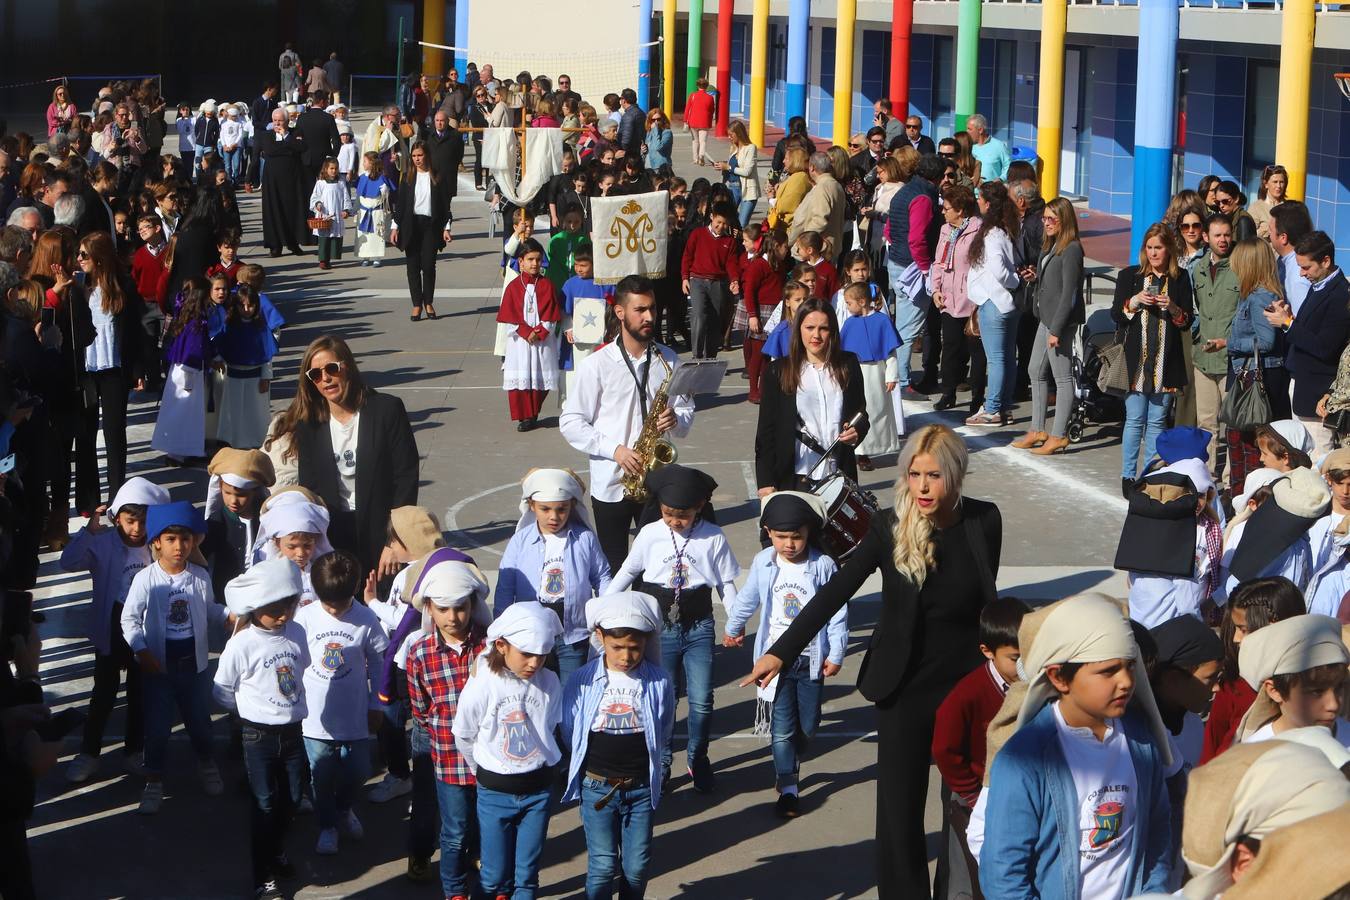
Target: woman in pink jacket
{"x":947,"y":283}
{"x":61,"y":113}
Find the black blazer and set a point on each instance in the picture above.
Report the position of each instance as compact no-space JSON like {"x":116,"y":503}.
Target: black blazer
{"x":387,"y":468}
{"x":318,"y":137}
{"x":447,"y":152}
{"x":1316,"y":339}
{"x":897,"y":630}
{"x":776,"y":436}
{"x":403,"y":208}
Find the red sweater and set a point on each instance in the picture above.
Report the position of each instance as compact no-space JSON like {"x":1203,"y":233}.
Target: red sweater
{"x":709,"y":256}
{"x":698,"y":110}
{"x":1230,"y":705}
{"x":827,"y":280}
{"x":147,"y":271}
{"x":959,"y":731}
{"x":231,"y":271}
{"x":761,"y":285}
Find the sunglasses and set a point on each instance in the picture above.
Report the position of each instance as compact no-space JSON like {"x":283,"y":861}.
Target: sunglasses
{"x":82,"y":255}
{"x":855,"y":146}
{"x":950,"y":154}
{"x":318,"y":372}
{"x":915,"y":127}
{"x":1190,"y":226}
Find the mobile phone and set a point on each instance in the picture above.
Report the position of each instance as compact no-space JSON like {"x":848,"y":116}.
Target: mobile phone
{"x":48,"y":316}
{"x":7,"y":464}
{"x":60,"y":725}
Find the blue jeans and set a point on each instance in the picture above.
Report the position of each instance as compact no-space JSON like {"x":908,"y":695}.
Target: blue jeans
{"x":619,"y":834}
{"x":570,"y":657}
{"x":512,"y":829}
{"x":338,"y":769}
{"x":744,"y":210}
{"x":796,"y":716}
{"x":1145,"y":416}
{"x":909,"y":318}
{"x":998,"y":334}
{"x":459,"y":827}
{"x":179,"y":685}
{"x":274,"y":758}
{"x":691,"y":648}
{"x":393,"y":736}
{"x":233,"y":162}
{"x":422,"y":816}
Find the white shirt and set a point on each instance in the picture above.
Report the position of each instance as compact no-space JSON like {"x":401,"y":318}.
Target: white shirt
{"x":1267,"y":733}
{"x":505,"y":724}
{"x":820,"y":403}
{"x":1108,"y":798}
{"x":344,"y":439}
{"x":701,"y":558}
{"x":1296,"y":287}
{"x":231,"y":132}
{"x":792,"y":590}
{"x":620,"y":709}
{"x":422,"y":194}
{"x":347,"y":157}
{"x":995,"y":277}
{"x":1320,"y":538}
{"x":345,"y":653}
{"x":261,"y":674}
{"x":552,"y":576}
{"x":602,"y":411}
{"x":106,"y":351}
{"x":145,"y":613}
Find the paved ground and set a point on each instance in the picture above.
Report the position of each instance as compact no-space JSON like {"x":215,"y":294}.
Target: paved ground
{"x":1061,"y":521}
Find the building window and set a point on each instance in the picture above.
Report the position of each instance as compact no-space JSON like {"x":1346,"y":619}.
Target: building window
{"x":1258,"y":151}
{"x":944,"y":80}
{"x":1005,"y":90}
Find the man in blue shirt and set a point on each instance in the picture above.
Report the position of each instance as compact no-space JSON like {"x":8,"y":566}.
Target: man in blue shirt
{"x":991,"y":153}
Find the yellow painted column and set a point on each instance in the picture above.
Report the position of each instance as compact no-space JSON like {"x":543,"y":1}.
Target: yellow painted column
{"x":846,"y":18}
{"x":1291,"y":123}
{"x":668,"y":57}
{"x":759,"y":64}
{"x":433,"y":32}
{"x":1050,"y":105}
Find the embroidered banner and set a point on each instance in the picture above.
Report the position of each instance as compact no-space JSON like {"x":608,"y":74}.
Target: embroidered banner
{"x":629,"y":235}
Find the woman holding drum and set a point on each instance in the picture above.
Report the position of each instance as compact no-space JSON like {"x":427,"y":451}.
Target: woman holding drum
{"x":812,"y":401}
{"x":938,"y":554}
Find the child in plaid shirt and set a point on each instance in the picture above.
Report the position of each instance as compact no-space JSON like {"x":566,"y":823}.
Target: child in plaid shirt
{"x":452,"y":596}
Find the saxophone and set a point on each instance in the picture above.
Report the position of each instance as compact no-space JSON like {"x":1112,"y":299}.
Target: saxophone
{"x":655,"y":450}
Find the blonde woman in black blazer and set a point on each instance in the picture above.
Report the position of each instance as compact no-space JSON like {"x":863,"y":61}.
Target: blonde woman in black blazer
{"x":1057,"y":287}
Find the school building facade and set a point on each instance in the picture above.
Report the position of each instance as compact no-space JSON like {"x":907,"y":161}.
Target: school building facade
{"x":1125,"y":102}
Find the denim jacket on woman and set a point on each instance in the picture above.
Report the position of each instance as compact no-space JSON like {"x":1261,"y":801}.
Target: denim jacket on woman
{"x":1252,"y":332}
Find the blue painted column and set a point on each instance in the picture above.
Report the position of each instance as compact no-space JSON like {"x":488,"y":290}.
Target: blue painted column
{"x":1155,"y":111}
{"x":799,"y":23}
{"x":644,"y":85}
{"x":462,"y":38}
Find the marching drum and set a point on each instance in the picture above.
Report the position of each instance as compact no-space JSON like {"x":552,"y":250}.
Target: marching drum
{"x":848,"y":514}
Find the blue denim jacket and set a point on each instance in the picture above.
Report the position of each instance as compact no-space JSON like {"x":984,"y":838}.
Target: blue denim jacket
{"x":830,"y":643}
{"x":1031,"y":832}
{"x":659,"y":146}
{"x":585,"y":574}
{"x":1250,"y":329}
{"x":581,"y":703}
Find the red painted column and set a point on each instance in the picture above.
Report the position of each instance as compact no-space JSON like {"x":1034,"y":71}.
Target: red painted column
{"x":902,"y":27}
{"x":726,"y":11}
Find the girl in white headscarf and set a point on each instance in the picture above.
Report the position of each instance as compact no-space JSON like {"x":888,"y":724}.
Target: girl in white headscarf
{"x":554,"y":557}
{"x":1077,"y":756}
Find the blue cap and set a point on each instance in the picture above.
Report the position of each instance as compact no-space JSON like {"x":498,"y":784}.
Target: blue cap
{"x":1183,"y":442}
{"x":167,"y":515}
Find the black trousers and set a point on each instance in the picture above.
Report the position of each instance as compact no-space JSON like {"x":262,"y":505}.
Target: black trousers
{"x":478,"y":163}
{"x":420,"y":249}
{"x":16,"y":875}
{"x":62,"y":427}
{"x":904,"y":752}
{"x":108,"y":671}
{"x":612,"y":524}
{"x":933,"y":341}
{"x":105,"y":392}
{"x":251,"y":174}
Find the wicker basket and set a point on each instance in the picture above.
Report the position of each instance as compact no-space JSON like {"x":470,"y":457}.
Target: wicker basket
{"x":317,"y":224}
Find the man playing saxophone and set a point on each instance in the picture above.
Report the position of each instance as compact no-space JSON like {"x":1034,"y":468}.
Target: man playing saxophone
{"x":616,"y":392}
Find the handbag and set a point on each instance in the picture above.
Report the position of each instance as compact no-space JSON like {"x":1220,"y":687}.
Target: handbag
{"x":1114,"y":377}
{"x":1338,"y":423}
{"x":1246,"y":405}
{"x":972,"y":328}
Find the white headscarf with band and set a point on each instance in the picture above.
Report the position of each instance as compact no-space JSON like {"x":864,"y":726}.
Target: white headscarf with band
{"x":553,"y":486}
{"x":289,"y":512}
{"x":137,"y":490}
{"x":451,"y":584}
{"x":1292,"y":645}
{"x":627,"y":609}
{"x":527,"y":626}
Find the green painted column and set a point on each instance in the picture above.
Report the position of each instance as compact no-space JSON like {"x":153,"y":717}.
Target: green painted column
{"x":694,"y":64}
{"x":967,"y":61}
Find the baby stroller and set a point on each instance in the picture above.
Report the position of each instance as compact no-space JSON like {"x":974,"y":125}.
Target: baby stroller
{"x":1091,"y":403}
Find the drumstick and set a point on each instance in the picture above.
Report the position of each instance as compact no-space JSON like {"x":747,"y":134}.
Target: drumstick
{"x":851,"y":423}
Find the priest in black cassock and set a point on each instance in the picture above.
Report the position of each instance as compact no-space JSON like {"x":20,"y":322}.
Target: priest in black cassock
{"x":285,"y":187}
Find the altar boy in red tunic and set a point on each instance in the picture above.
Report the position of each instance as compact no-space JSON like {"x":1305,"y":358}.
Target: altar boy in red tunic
{"x":530,"y":369}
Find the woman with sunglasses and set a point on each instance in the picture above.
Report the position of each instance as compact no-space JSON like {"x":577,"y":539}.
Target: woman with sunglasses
{"x":477,"y":112}
{"x":352,"y":446}
{"x":1231,"y":202}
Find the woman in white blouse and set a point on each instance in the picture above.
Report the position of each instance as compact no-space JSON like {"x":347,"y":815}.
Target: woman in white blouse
{"x":993,"y":275}
{"x":422,"y":226}
{"x":809,"y":396}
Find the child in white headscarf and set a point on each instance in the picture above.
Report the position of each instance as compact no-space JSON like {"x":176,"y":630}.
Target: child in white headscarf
{"x":1077,"y":755}
{"x":1298,"y":669}
{"x":554,"y":557}
{"x":294,"y":524}
{"x":504,"y":728}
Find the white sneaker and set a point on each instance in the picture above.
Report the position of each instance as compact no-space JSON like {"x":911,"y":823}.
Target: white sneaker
{"x":212,"y":784}
{"x":390,"y":788}
{"x":351,"y":826}
{"x":328,"y":842}
{"x":151,"y":798}
{"x":81,"y":768}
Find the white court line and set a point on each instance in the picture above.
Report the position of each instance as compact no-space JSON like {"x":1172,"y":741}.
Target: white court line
{"x":748,"y":472}
{"x":1043,"y":470}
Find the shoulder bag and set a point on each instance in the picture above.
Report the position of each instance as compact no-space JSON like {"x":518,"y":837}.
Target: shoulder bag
{"x":1246,"y":405}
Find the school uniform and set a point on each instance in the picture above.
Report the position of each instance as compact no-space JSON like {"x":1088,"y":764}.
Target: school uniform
{"x":245,"y":412}
{"x":1329,"y":582}
{"x":570,"y":354}
{"x":346,"y":653}
{"x":827,"y":279}
{"x":1155,"y":597}
{"x":180,"y":429}
{"x":562,"y":572}
{"x":872,"y":338}
{"x":681,"y":572}
{"x":530,"y":369}
{"x":762,"y":290}
{"x":1321,"y":539}
{"x":329,"y":200}
{"x":373,"y":198}
{"x":169,"y":615}
{"x":710,"y":263}
{"x":779,"y":590}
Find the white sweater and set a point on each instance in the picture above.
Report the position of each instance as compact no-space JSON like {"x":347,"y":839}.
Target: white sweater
{"x":261,"y":674}
{"x":996,"y":275}
{"x":505,"y":724}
